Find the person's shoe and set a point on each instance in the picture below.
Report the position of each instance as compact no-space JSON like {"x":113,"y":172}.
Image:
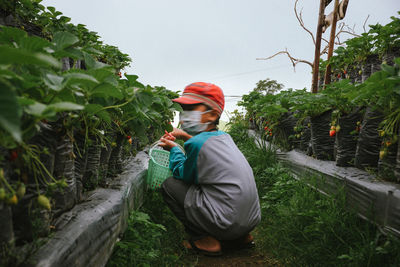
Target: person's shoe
{"x":244,"y":242}
{"x":208,"y":246}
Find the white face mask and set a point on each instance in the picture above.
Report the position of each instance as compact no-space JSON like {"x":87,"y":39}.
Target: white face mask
{"x":191,"y":121}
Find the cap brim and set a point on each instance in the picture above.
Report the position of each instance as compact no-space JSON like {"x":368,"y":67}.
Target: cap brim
{"x":187,"y":100}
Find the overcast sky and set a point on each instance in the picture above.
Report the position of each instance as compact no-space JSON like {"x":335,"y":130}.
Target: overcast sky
{"x":176,"y":42}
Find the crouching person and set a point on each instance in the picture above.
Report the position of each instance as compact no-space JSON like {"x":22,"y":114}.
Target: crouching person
{"x":212,"y":191}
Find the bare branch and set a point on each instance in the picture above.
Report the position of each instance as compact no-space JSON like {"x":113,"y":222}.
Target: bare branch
{"x":327,"y":2}
{"x":365,"y":22}
{"x":325,"y":50}
{"x":294,"y":61}
{"x":341,"y":29}
{"x":300,"y":20}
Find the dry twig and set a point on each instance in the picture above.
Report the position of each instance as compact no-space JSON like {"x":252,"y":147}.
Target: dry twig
{"x":294,"y":61}
{"x":365,"y":22}
{"x":300,"y":20}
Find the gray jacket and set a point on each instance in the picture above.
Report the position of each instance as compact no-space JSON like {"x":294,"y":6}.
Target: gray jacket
{"x":223,"y":198}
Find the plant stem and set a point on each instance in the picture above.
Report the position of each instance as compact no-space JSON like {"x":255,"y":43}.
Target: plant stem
{"x":7,"y":184}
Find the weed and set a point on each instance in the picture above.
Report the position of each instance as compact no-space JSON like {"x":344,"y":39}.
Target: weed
{"x":153,"y":237}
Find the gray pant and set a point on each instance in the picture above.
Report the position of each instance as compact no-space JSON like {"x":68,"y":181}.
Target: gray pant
{"x":174,"y":193}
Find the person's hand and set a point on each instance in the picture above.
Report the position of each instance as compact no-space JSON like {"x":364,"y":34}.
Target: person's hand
{"x":166,"y":144}
{"x":180,"y":134}
{"x":169,"y":136}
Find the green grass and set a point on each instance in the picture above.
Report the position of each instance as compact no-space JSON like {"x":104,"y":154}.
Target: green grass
{"x":302,"y":227}
{"x":153,"y":237}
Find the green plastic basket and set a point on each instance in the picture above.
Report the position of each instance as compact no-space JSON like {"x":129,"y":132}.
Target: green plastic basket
{"x":158,"y":169}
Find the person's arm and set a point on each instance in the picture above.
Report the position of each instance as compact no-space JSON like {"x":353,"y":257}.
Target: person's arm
{"x":180,"y":134}
{"x":183,"y":167}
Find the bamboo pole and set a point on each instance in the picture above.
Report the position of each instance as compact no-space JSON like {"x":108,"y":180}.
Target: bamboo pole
{"x":321,"y":17}
{"x":327,"y":77}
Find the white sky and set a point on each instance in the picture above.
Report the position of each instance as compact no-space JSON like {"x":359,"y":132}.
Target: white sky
{"x":176,"y":42}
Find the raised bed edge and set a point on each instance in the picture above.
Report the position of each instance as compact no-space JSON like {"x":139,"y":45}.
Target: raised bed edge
{"x":93,"y":227}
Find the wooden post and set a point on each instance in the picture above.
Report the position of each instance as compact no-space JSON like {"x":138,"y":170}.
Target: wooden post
{"x":327,"y":77}
{"x":321,"y":17}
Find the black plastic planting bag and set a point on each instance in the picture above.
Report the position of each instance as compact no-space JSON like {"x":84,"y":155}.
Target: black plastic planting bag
{"x":80,"y":160}
{"x":115,"y":162}
{"x":305,"y":137}
{"x":354,"y":73}
{"x":346,"y":138}
{"x":387,"y":163}
{"x":46,"y":140}
{"x":104,"y":160}
{"x":6,"y":233}
{"x":286,"y":126}
{"x":91,"y":176}
{"x":390,"y":55}
{"x":6,"y":226}
{"x":322,"y":143}
{"x":397,"y":169}
{"x":65,"y":198}
{"x":370,"y":65}
{"x":369,"y":142}
{"x":27,"y":215}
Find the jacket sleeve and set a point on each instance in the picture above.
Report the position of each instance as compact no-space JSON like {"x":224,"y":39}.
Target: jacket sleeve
{"x":184,"y":167}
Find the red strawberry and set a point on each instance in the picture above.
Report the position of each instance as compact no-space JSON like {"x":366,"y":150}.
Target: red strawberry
{"x":332,"y":133}
{"x":13,"y":155}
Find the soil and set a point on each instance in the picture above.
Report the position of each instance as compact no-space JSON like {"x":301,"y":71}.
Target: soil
{"x":245,"y":257}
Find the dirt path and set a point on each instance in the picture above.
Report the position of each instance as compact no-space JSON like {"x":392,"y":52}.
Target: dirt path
{"x":247,"y":257}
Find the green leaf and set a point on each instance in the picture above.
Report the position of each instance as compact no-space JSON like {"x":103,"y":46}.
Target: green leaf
{"x":36,"y":109}
{"x":92,"y":50}
{"x":91,"y":63}
{"x":63,"y":40}
{"x":177,"y":107}
{"x":23,"y":101}
{"x":169,"y":128}
{"x":34,"y":44}
{"x":107,"y":90}
{"x":145,"y":98}
{"x":7,"y":74}
{"x":104,"y":115}
{"x":74,"y":78}
{"x":388,"y":69}
{"x":54,"y":82}
{"x":132,"y":81}
{"x":102,"y":74}
{"x":10,"y":112}
{"x":10,"y":55}
{"x":97,"y":110}
{"x":63,"y":106}
{"x":9,"y":35}
{"x":93,"y":108}
{"x":71,"y":52}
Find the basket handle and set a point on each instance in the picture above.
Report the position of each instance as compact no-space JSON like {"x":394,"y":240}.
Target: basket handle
{"x":156,"y":143}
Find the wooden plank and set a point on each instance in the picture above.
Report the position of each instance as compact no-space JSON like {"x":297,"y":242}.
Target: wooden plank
{"x":327,"y":77}
{"x":317,"y":54}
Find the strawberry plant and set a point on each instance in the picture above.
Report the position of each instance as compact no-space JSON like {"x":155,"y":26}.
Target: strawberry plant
{"x":63,"y":110}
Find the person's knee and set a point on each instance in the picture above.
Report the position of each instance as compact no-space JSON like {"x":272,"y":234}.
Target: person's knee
{"x":167,"y":183}
{"x":166,"y":187}
{"x":174,"y":189}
